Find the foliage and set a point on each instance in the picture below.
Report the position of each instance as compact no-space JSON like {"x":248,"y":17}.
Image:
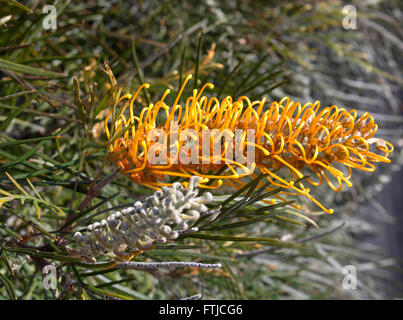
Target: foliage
{"x":55,"y":177}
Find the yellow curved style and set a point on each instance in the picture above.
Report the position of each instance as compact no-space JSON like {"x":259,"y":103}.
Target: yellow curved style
{"x":307,"y":140}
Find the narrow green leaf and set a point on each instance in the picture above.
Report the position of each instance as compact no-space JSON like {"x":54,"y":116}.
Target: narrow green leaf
{"x":9,"y":287}
{"x":293,"y":221}
{"x":41,"y":254}
{"x":16,"y":112}
{"x":25,"y":141}
{"x":77,"y":99}
{"x":253,"y":70}
{"x":241,"y":190}
{"x":260,"y":81}
{"x":108,"y":293}
{"x":178,"y":253}
{"x":272,"y":88}
{"x":34,"y":189}
{"x":16,"y":95}
{"x":241,"y":223}
{"x":24,"y":157}
{"x":20,"y":68}
{"x":182,"y":67}
{"x":199,"y":52}
{"x":10,"y":232}
{"x":6,"y":262}
{"x":21,"y":6}
{"x":231,"y":238}
{"x":38,"y":210}
{"x":15,"y":183}
{"x":138,"y":72}
{"x":31,"y":223}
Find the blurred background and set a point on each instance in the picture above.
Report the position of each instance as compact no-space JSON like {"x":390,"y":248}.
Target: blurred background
{"x":347,"y":53}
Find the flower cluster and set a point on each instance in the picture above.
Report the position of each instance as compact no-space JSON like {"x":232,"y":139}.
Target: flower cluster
{"x":162,"y":216}
{"x":318,"y":144}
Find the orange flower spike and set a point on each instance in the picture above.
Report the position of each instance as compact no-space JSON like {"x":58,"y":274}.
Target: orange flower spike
{"x":303,"y":140}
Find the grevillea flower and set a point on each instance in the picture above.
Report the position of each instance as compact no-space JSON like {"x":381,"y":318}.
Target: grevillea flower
{"x":318,"y":144}
{"x":162,"y":216}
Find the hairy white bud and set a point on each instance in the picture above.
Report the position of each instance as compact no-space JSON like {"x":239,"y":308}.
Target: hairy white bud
{"x":139,"y":227}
